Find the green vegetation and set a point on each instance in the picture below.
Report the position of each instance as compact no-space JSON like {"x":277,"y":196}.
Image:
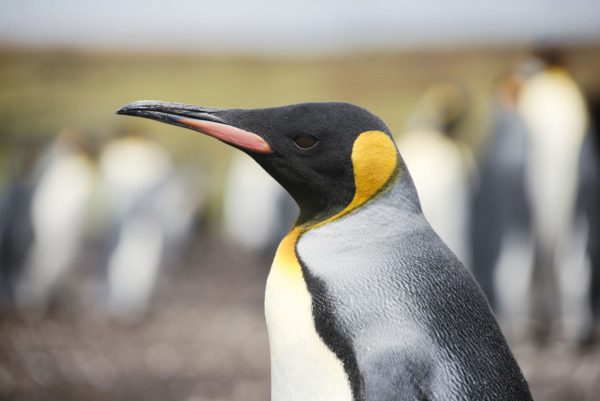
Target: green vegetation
{"x":43,"y":92}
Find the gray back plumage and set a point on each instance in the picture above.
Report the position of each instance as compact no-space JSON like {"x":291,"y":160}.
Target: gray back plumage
{"x":400,"y":310}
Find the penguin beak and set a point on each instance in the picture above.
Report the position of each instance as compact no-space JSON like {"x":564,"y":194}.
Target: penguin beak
{"x":202,"y":119}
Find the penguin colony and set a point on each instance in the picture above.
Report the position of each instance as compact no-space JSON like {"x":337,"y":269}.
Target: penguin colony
{"x":363,"y":302}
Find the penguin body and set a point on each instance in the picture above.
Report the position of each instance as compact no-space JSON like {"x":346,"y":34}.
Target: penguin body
{"x":554,"y":110}
{"x":398,"y":331}
{"x":502,"y":242}
{"x":392,"y":335}
{"x":59,"y":204}
{"x":151,"y":205}
{"x":364,"y":302}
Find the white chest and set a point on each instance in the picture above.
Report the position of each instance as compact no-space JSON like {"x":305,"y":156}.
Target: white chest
{"x":303,"y":368}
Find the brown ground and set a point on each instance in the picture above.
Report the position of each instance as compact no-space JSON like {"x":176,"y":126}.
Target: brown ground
{"x":204,"y":340}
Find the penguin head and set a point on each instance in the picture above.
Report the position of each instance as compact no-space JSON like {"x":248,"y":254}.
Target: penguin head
{"x":326,"y":155}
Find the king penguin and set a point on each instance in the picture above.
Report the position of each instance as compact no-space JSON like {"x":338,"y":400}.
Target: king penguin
{"x":363,"y":302}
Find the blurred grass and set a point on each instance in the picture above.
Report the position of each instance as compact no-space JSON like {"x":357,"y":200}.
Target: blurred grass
{"x":45,"y":91}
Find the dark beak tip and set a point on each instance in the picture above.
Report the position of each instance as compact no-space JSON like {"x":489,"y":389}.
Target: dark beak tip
{"x":131,"y":108}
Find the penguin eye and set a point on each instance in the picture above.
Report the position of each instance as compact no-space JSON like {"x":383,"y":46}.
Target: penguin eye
{"x":305,"y":141}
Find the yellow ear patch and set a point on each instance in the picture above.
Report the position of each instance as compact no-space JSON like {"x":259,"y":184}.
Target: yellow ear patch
{"x":374,"y":160}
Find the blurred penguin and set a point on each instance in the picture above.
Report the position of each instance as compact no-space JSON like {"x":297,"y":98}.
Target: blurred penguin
{"x":257,"y":212}
{"x":151,"y":207}
{"x":554,"y":110}
{"x":439,"y":164}
{"x":586,"y":331}
{"x":16,"y":232}
{"x":501,"y":237}
{"x":59,"y":207}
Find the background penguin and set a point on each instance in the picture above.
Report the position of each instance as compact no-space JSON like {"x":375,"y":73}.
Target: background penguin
{"x":363,"y":301}
{"x":554,"y":110}
{"x":16,"y":231}
{"x":588,"y":210}
{"x":439,"y":164}
{"x":59,"y":207}
{"x":151,"y":206}
{"x":501,"y":237}
{"x":257,"y":212}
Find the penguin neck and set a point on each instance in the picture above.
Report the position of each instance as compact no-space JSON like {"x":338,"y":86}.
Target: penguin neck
{"x":314,"y":210}
{"x":405,"y":201}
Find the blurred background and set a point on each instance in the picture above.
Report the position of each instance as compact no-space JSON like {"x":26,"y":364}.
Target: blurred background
{"x":133,"y":255}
